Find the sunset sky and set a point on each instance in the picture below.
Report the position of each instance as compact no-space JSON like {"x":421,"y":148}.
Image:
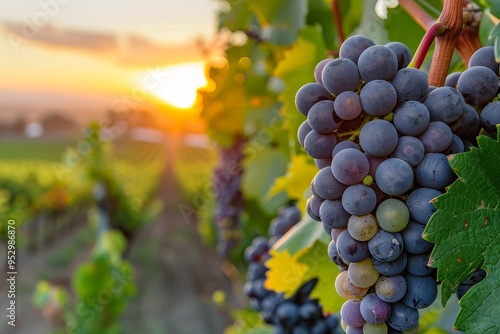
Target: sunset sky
{"x":101,"y":46}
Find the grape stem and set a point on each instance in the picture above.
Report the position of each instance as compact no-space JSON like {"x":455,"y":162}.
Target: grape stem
{"x":436,"y":29}
{"x":452,"y":18}
{"x":337,"y":19}
{"x":354,"y":133}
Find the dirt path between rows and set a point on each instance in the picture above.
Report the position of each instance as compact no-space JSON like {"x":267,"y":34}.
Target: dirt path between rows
{"x":175,"y":274}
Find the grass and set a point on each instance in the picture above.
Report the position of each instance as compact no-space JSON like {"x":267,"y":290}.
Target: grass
{"x":34,"y":149}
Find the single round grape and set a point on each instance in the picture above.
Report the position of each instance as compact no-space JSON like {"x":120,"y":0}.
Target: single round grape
{"x":417,"y":264}
{"x":322,"y":119}
{"x":333,"y":214}
{"x":434,"y":171}
{"x":363,"y":274}
{"x":402,"y":317}
{"x":410,"y":85}
{"x":287,"y":314}
{"x":351,"y":313}
{"x":362,"y":228}
{"x":386,"y":246}
{"x":341,"y":286}
{"x":394,"y":176}
{"x":392,"y":268}
{"x":318,"y":145}
{"x":468,"y":124}
{"x":322,"y":163}
{"x":421,"y":291}
{"x":420,"y":205}
{"x":437,"y":137}
{"x":490,"y":117}
{"x":412,"y":238}
{"x":312,"y":207}
{"x":340,"y":75}
{"x":452,"y":79}
{"x":356,"y":290}
{"x":445,"y":104}
{"x":410,"y":150}
{"x":390,"y":288}
{"x":343,"y":145}
{"x":374,"y":310}
{"x":319,"y":69}
{"x":310,"y":312}
{"x":334,"y":255}
{"x":402,"y":52}
{"x":378,"y":98}
{"x":484,"y":56}
{"x":353,"y":46}
{"x":347,"y":105}
{"x":351,"y":249}
{"x":411,"y":118}
{"x":457,"y":146}
{"x":478,"y":85}
{"x":350,"y":166}
{"x":302,"y":132}
{"x":359,"y":200}
{"x":378,"y":138}
{"x":375,"y":329}
{"x":308,"y":95}
{"x":392,"y":215}
{"x":327,"y":186}
{"x":377,"y":62}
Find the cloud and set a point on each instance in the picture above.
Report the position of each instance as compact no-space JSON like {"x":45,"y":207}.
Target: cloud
{"x":127,"y":50}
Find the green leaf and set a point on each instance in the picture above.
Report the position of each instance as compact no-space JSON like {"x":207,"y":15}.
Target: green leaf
{"x":302,"y":236}
{"x":283,"y":18}
{"x":466,"y":230}
{"x":494,"y":7}
{"x":262,"y":166}
{"x":321,"y":267}
{"x":297,"y":69}
{"x":495,"y":36}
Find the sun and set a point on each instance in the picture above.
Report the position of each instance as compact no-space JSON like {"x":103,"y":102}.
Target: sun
{"x":177,"y":84}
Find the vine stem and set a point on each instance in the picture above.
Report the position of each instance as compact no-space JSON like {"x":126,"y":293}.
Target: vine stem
{"x":452,"y":18}
{"x":337,"y":19}
{"x":436,"y":29}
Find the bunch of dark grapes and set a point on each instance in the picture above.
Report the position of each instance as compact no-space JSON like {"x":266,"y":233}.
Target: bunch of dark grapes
{"x":380,"y":137}
{"x":228,"y":195}
{"x":294,"y":315}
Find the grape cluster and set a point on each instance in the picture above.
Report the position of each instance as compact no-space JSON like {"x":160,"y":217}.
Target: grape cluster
{"x":294,"y":315}
{"x":228,"y":195}
{"x":380,"y":136}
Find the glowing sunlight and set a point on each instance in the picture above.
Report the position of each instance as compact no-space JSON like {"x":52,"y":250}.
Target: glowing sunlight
{"x":178,"y":84}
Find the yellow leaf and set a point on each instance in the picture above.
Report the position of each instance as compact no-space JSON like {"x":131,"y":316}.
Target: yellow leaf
{"x":286,"y":274}
{"x":296,"y":181}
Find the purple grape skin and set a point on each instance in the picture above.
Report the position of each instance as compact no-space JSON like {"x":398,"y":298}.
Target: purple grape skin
{"x":437,"y":137}
{"x":327,"y":186}
{"x":308,"y":95}
{"x":318,"y":145}
{"x":353,"y":46}
{"x":374,"y":310}
{"x":396,"y":291}
{"x":350,"y":166}
{"x":351,"y":249}
{"x":421,"y":291}
{"x":319,"y":69}
{"x":412,"y":238}
{"x":351,"y":313}
{"x":402,"y":317}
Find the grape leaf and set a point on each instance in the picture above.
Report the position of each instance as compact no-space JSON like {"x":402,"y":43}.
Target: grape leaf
{"x":305,"y":244}
{"x":302,"y":236}
{"x":320,"y":266}
{"x":466,"y":230}
{"x":282,"y":19}
{"x":494,"y":7}
{"x":297,"y":179}
{"x":297,"y":69}
{"x":262,"y":165}
{"x":286,"y":273}
{"x":495,"y":36}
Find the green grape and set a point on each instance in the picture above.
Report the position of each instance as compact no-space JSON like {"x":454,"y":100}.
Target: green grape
{"x":375,"y":329}
{"x":362,"y":228}
{"x":363,"y":274}
{"x":392,"y":215}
